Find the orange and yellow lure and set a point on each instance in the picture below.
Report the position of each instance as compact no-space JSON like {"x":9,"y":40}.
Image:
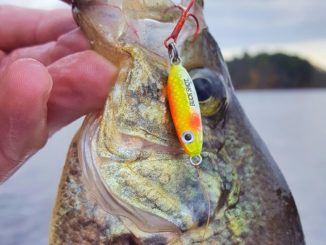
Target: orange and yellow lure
{"x":184,"y":108}
{"x":182,"y":96}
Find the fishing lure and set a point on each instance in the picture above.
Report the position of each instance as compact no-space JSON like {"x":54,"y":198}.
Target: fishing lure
{"x":184,"y":108}
{"x":182,"y":97}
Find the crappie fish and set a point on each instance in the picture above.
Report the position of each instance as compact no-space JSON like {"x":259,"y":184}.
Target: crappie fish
{"x":127,"y":180}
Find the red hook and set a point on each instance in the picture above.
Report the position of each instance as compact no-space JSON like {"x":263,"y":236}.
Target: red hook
{"x":185,"y":14}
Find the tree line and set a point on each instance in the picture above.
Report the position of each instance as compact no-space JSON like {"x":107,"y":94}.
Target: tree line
{"x":267,"y":71}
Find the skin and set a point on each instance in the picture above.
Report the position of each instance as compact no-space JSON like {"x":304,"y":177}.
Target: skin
{"x":128,"y":181}
{"x":48,"y":78}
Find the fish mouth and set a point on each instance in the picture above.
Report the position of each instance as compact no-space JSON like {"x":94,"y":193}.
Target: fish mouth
{"x":144,"y":190}
{"x":94,"y":183}
{"x":101,"y":193}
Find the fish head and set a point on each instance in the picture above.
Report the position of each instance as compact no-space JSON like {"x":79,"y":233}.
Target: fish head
{"x":134,"y":147}
{"x":133,"y":163}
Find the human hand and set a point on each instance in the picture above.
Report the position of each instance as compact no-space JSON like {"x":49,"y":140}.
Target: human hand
{"x":48,"y":78}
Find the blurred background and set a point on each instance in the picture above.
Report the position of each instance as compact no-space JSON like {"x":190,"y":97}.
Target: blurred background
{"x":276,"y":53}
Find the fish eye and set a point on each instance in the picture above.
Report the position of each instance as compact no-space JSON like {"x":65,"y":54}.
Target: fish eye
{"x":188,"y":137}
{"x":203,"y":88}
{"x":211,"y":91}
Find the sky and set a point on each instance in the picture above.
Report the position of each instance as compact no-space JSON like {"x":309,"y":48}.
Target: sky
{"x":292,"y":26}
{"x":296,"y":27}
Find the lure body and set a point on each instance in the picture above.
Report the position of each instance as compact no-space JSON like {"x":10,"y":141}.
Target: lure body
{"x":185,"y":110}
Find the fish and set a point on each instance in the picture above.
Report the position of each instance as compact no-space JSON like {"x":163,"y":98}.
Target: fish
{"x":128,"y":180}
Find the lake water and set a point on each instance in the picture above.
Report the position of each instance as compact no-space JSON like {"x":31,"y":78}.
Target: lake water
{"x":292,"y":123}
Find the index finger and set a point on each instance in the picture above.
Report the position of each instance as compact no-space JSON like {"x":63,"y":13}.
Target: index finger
{"x":23,"y":27}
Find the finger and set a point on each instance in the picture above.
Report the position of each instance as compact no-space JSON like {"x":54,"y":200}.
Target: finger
{"x":66,"y":44}
{"x":81,"y":83}
{"x":25,"y":27}
{"x":24,"y":92}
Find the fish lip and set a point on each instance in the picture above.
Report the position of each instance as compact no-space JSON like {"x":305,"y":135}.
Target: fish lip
{"x":144,"y":147}
{"x":161,"y":145}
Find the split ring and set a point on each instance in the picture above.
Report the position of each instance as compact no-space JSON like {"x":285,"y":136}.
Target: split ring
{"x":173,"y":53}
{"x":196,"y":160}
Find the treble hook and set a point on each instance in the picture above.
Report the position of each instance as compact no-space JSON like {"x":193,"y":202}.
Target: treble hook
{"x":176,"y":31}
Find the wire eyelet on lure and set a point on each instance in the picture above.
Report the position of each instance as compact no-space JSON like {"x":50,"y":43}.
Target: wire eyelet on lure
{"x":196,"y":160}
{"x":173,"y":53}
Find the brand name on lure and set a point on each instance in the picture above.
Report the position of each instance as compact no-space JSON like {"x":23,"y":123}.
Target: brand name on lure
{"x":189,"y":92}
